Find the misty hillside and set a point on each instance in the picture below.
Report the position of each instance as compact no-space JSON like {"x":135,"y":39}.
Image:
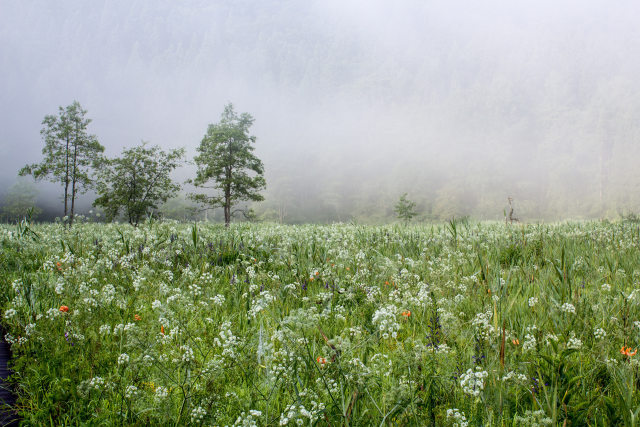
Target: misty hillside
{"x":459,"y":104}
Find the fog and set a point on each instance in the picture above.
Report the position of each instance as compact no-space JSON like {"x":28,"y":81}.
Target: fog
{"x":458,"y":103}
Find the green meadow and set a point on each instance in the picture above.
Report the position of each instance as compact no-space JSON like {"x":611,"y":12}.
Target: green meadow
{"x":455,"y":324}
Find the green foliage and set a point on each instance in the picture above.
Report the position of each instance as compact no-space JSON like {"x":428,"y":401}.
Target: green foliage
{"x":137,"y":182}
{"x":631,"y":217}
{"x":175,"y":324}
{"x":405,"y":209}
{"x":69,"y":154}
{"x":180,"y":208}
{"x":226,"y":164}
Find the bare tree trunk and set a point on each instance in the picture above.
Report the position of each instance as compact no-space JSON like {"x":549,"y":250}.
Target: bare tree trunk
{"x":66,"y":180}
{"x":227,"y":197}
{"x":227,"y":211}
{"x":73,"y":185}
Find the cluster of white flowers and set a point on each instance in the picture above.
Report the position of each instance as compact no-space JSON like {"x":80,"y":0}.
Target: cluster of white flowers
{"x":228,"y":341}
{"x":89,"y":303}
{"x":610,"y":361}
{"x":10,"y":338}
{"x":10,"y":313}
{"x":291,"y":287}
{"x":59,"y":287}
{"x":567,"y":307}
{"x":187,"y":353}
{"x":472,"y":382}
{"x":53,"y":313}
{"x":385,"y":320}
{"x":95,"y":383}
{"x":529,"y":343}
{"x":355,"y":331}
{"x":484,"y":328}
{"x":260,"y":302}
{"x":574,"y":343}
{"x":108,"y":294}
{"x":120,"y":328}
{"x":161,"y":393}
{"x":298,"y":413}
{"x":458,"y":418}
{"x":442,"y":348}
{"x":605,"y":287}
{"x":534,"y":419}
{"x":175,"y":297}
{"x":123,"y":359}
{"x":533,"y":301}
{"x":147,"y":360}
{"x":49,"y":265}
{"x":206,"y":278}
{"x":195,"y":290}
{"x":599,"y":333}
{"x":218,"y":300}
{"x":197,"y":414}
{"x":248,"y":420}
{"x":329,"y":383}
{"x":548,"y":338}
{"x":131,"y":392}
{"x":138,"y":281}
{"x":513,"y":375}
{"x":28,"y":330}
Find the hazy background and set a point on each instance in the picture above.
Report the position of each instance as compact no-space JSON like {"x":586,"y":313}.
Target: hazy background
{"x":458,"y":103}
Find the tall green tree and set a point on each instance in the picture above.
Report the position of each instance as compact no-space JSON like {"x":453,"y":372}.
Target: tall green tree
{"x":69,"y":152}
{"x":137,"y":182}
{"x":226,"y":164}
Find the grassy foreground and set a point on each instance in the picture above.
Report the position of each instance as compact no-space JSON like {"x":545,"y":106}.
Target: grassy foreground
{"x":458,"y":324}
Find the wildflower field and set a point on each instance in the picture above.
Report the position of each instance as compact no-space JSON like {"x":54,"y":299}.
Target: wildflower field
{"x":454,"y":324}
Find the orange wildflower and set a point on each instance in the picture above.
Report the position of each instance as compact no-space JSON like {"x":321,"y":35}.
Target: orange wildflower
{"x":64,"y":309}
{"x":516,"y":341}
{"x":162,"y":329}
{"x":406,"y":313}
{"x":386,"y":282}
{"x":627,"y":351}
{"x":136,"y":317}
{"x":321,"y":360}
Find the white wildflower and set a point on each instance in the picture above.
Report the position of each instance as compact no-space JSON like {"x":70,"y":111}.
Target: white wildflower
{"x":123,"y":359}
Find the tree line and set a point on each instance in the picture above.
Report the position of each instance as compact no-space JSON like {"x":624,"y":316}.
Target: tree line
{"x":134,"y":184}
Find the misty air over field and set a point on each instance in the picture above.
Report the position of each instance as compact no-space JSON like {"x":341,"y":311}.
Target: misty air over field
{"x":458,"y":104}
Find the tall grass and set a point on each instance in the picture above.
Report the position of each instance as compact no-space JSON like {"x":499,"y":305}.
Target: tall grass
{"x":457,"y":324}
